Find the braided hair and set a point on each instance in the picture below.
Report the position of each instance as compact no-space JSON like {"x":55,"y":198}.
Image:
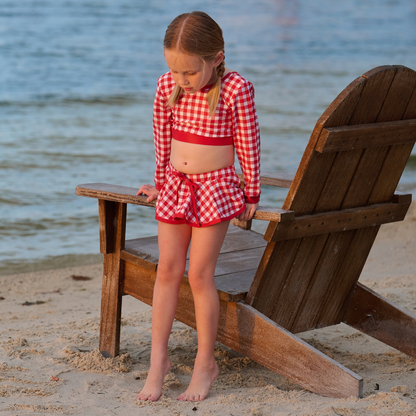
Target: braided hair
{"x":198,"y":34}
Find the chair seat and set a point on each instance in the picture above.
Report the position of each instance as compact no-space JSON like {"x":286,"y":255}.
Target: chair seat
{"x":237,"y":263}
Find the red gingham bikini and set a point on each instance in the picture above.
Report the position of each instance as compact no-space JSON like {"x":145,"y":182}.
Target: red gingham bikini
{"x":206,"y":199}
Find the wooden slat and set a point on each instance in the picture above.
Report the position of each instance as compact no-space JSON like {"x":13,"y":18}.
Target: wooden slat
{"x":114,"y":193}
{"x":346,"y":277}
{"x":273,"y":214}
{"x":269,"y":179}
{"x":113,"y":274}
{"x":287,"y":304}
{"x":237,"y":239}
{"x":271,"y":275}
{"x":106,"y":215}
{"x":245,"y":330}
{"x":344,"y":220}
{"x":245,"y":225}
{"x":375,"y":316}
{"x":143,"y":252}
{"x":236,"y":261}
{"x":366,"y":135}
{"x":235,"y":285}
{"x":321,"y":282}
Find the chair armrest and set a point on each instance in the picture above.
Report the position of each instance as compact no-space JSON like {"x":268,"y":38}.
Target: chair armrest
{"x":284,"y":181}
{"x":274,"y":214}
{"x":128,"y":195}
{"x":113,"y":193}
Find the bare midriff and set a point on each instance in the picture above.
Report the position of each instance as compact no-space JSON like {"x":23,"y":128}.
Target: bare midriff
{"x":191,"y":158}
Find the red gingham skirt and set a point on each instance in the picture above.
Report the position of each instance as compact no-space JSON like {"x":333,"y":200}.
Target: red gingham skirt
{"x":200,"y":200}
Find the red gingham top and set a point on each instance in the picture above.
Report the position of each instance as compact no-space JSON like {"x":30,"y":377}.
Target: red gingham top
{"x":235,"y":116}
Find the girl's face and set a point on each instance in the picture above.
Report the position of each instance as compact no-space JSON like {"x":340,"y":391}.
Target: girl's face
{"x":190,"y":72}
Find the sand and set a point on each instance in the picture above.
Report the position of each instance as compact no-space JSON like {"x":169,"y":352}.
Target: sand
{"x":50,"y":364}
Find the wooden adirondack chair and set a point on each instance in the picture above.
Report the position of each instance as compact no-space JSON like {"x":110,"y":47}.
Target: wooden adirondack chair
{"x":304,"y":273}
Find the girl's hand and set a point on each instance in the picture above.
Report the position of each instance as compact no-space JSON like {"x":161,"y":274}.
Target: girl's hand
{"x":249,"y":212}
{"x":150,"y":191}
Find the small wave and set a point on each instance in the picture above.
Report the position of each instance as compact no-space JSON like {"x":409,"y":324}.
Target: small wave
{"x":52,"y":99}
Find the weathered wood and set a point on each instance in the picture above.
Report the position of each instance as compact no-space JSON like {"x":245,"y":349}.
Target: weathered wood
{"x":382,"y":89}
{"x":366,"y":135}
{"x":287,"y":304}
{"x":244,"y":225}
{"x":237,"y":240}
{"x":343,"y":220}
{"x":106,"y":215}
{"x":142,"y":251}
{"x":250,"y":333}
{"x":347,"y":276}
{"x":321,"y":282}
{"x":374,"y":315}
{"x":115,"y":193}
{"x":273,"y":214}
{"x":233,"y":287}
{"x":326,"y":183}
{"x":271,"y":275}
{"x":113,"y":274}
{"x":236,"y":261}
{"x":245,"y":330}
{"x":269,"y":179}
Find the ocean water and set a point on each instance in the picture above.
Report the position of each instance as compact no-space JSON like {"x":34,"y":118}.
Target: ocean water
{"x":77,"y":82}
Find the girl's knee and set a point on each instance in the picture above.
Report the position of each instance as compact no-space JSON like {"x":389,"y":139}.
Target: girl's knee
{"x":200,"y":280}
{"x":170,"y":272}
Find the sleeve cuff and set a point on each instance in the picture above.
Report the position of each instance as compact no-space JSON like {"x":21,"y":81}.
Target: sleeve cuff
{"x":158,"y":187}
{"x":252,"y":200}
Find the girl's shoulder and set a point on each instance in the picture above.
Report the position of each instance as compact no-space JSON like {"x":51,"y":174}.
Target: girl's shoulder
{"x":165,"y":83}
{"x":234,"y":84}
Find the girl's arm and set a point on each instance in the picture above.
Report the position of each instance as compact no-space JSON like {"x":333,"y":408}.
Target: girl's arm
{"x":162,"y":116}
{"x":247,"y":145}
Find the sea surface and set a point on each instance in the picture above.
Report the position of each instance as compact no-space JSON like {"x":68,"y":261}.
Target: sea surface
{"x":77,"y":82}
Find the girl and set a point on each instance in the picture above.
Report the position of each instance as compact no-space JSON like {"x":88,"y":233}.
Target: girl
{"x":202,"y":111}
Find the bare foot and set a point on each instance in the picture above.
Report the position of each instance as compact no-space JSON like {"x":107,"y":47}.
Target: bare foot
{"x":152,"y":389}
{"x":202,"y":378}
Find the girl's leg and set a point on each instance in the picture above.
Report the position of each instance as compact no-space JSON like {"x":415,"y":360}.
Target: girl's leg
{"x":173,"y":246}
{"x":205,"y":248}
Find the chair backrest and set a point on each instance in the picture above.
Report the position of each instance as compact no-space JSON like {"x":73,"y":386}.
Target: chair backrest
{"x":354,"y":159}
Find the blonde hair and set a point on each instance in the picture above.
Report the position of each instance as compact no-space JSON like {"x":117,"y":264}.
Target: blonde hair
{"x":198,"y":34}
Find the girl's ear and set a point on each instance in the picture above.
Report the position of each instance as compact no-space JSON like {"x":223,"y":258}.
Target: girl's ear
{"x":219,"y":57}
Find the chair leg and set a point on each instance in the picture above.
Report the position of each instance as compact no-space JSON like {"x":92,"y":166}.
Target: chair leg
{"x":374,"y":315}
{"x":251,"y":333}
{"x":112,"y":218}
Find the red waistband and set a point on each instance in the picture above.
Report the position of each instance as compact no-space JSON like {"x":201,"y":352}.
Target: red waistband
{"x":196,"y":139}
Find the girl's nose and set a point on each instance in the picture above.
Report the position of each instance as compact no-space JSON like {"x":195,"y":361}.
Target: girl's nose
{"x":183,"y":80}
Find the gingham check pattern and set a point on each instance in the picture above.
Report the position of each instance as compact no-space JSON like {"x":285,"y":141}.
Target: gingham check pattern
{"x":235,"y":116}
{"x":200,"y":199}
